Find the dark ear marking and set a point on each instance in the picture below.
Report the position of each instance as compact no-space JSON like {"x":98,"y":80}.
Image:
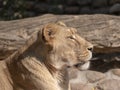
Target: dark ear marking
{"x":48,"y":32}
{"x":43,"y":37}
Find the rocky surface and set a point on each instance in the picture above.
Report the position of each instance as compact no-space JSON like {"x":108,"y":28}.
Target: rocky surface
{"x":94,"y":80}
{"x":102,"y":30}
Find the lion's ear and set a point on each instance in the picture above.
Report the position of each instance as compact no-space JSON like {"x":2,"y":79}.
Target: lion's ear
{"x":61,"y":23}
{"x":48,"y":34}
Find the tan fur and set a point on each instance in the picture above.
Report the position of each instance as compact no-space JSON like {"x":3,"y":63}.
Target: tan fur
{"x":43,"y":66}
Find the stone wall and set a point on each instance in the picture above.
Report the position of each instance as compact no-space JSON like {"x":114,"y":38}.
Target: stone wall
{"x":28,"y":8}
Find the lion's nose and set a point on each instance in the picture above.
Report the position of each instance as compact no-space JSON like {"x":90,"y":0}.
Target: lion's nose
{"x":90,"y":48}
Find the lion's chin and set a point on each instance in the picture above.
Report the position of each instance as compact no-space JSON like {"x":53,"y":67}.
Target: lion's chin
{"x":84,"y":66}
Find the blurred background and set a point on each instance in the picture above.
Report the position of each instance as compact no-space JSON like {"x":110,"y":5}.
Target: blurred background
{"x":17,"y":9}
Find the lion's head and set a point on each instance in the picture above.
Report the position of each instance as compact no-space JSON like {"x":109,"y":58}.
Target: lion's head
{"x":62,"y":46}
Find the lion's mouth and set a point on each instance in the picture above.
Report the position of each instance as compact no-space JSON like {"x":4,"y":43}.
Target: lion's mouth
{"x":82,"y":65}
{"x":79,"y":64}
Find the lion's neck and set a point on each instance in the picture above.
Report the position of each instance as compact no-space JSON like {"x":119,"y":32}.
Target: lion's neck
{"x":61,"y":75}
{"x":30,"y":65}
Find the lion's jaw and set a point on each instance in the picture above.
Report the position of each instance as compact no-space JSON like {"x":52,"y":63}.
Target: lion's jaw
{"x":70,"y":59}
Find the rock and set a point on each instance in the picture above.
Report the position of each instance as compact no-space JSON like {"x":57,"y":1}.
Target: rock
{"x":115,"y":9}
{"x":99,"y":3}
{"x":91,"y":27}
{"x":73,"y":73}
{"x":79,"y":78}
{"x":72,"y":10}
{"x":81,"y":87}
{"x":112,"y":74}
{"x":94,"y":76}
{"x":85,"y":76}
{"x":111,"y":84}
{"x":116,"y":72}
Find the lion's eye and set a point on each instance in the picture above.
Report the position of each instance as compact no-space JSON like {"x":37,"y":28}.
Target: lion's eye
{"x":71,"y":37}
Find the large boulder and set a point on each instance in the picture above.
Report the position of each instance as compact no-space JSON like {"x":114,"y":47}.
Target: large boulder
{"x":102,"y":30}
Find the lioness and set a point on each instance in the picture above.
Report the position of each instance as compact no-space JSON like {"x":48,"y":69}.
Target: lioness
{"x":43,"y":66}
